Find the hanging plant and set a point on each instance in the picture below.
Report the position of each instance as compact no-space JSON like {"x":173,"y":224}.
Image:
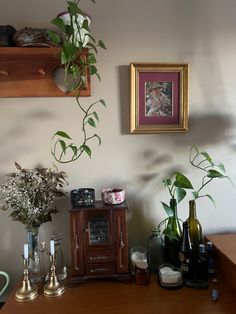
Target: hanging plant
{"x":78,"y":57}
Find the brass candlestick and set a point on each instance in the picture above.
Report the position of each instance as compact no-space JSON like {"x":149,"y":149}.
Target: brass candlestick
{"x":53,"y":288}
{"x":27,"y":291}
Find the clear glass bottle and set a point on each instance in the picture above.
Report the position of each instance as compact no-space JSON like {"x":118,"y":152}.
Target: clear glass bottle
{"x":155,"y":251}
{"x":172,"y":242}
{"x":44,"y":262}
{"x":61,"y":269}
{"x":195,"y":228}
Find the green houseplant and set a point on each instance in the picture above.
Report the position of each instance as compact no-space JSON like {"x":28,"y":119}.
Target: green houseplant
{"x":210,"y":171}
{"x":78,"y":57}
{"x":176,"y":184}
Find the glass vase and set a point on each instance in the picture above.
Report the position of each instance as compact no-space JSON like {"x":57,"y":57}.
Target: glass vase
{"x":172,"y":236}
{"x":34,"y":265}
{"x":195,"y":228}
{"x":61,"y":269}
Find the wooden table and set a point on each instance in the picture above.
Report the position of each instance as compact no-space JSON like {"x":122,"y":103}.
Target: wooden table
{"x":112,"y":297}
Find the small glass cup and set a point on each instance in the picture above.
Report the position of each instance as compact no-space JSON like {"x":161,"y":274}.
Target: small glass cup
{"x":137,"y":254}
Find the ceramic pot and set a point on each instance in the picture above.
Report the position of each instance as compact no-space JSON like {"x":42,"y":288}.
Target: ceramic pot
{"x":113,"y":196}
{"x":80,"y":33}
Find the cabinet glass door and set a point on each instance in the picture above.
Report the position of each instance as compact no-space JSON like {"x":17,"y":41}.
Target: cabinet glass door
{"x":98,"y":230}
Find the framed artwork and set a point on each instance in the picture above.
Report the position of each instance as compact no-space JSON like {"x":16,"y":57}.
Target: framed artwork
{"x":159,"y":98}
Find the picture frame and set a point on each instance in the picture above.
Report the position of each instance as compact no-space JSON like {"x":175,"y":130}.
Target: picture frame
{"x":159,"y":97}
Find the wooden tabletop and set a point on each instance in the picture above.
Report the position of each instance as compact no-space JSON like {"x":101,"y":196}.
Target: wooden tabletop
{"x":112,"y":297}
{"x":226,"y":244}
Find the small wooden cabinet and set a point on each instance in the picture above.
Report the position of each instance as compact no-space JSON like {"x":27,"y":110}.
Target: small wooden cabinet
{"x":99,"y":242}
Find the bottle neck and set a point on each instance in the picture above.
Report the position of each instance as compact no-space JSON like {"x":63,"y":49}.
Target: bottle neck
{"x":192,"y":209}
{"x":173,"y":205}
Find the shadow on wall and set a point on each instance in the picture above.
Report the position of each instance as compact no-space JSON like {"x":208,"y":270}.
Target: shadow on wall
{"x":124,"y":89}
{"x":208,"y":129}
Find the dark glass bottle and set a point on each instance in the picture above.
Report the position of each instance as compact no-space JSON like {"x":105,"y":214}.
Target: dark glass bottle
{"x":185,"y":252}
{"x":202,"y":266}
{"x":210,"y":258}
{"x":155,"y":251}
{"x":172,"y":243}
{"x":195,"y":229}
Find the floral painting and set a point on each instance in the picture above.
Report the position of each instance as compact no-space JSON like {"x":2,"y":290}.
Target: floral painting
{"x":158,"y":99}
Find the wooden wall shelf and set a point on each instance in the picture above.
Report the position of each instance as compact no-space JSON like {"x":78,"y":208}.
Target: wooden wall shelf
{"x":28,"y":72}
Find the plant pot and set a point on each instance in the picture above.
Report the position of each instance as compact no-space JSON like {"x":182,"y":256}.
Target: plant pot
{"x":80,"y":35}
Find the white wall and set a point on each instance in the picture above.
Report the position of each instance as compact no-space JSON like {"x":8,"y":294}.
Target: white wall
{"x":201,"y":33}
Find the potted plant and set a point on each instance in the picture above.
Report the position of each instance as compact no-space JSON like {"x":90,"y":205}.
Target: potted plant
{"x":176,"y":185}
{"x":78,"y":57}
{"x":210,"y":171}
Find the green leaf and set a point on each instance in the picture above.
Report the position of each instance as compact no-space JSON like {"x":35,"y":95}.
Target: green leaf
{"x":195,"y":194}
{"x":169,"y":211}
{"x":211,"y":198}
{"x":91,"y":58}
{"x":96,"y":115}
{"x":56,"y":39}
{"x":85,"y":25}
{"x":181,"y":193}
{"x":92,"y":46}
{"x":167,"y":181}
{"x":63,"y":146}
{"x":182,"y":182}
{"x":74,"y":9}
{"x":62,"y":134}
{"x":102,"y":101}
{"x":170,"y":233}
{"x":221,"y":167}
{"x":101,"y":44}
{"x":212,"y":173}
{"x":59,"y":23}
{"x":87,"y":150}
{"x":194,"y":148}
{"x":74,"y":149}
{"x":99,"y":139}
{"x":98,"y":76}
{"x":92,"y":69}
{"x":91,"y":122}
{"x":91,"y":37}
{"x":208,"y":157}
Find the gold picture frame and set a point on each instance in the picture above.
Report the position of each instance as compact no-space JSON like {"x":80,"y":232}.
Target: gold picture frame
{"x":159,"y":97}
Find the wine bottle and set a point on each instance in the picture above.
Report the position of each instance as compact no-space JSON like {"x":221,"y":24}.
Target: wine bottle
{"x":195,"y":229}
{"x":172,"y":242}
{"x":185,"y":252}
{"x":202,"y":266}
{"x":210,"y":258}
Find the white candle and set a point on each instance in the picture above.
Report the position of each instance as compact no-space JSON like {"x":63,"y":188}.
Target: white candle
{"x":52,"y":247}
{"x":26,"y":251}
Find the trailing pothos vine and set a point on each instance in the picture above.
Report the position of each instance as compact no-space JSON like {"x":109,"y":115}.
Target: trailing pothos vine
{"x":78,"y":57}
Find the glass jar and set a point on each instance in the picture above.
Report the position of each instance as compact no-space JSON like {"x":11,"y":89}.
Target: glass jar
{"x":44,"y":262}
{"x":61,"y":270}
{"x":137,"y":254}
{"x":155,"y":251}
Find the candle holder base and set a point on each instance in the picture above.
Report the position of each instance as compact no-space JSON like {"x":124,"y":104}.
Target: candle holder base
{"x":53,"y":288}
{"x":26,"y":292}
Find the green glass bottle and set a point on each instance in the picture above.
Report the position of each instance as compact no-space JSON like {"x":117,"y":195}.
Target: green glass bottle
{"x":172,"y":243}
{"x":195,"y":228}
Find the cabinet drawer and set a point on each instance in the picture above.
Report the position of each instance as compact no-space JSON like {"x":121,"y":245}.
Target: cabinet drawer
{"x":100,"y":269}
{"x":99,"y":257}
